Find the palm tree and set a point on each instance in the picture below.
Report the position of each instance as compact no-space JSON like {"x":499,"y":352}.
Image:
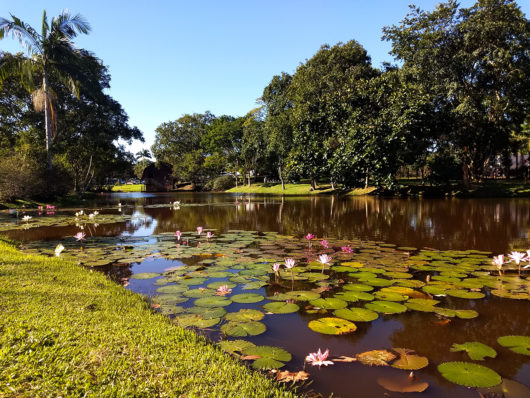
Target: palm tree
{"x":49,"y":55}
{"x":143,"y":154}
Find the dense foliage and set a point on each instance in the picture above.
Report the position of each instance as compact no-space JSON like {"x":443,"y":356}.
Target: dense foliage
{"x":456,"y":106}
{"x":83,"y":122}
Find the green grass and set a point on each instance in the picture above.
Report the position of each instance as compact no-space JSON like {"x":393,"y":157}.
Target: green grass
{"x":276,"y":189}
{"x":69,"y":331}
{"x":129,"y":188}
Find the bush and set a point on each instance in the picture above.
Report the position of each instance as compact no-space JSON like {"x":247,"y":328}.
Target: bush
{"x":444,"y":166}
{"x":26,"y":178}
{"x":221,"y":183}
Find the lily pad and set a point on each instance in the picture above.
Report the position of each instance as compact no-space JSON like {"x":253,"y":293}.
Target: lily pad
{"x":402,"y":383}
{"x":518,"y":344}
{"x":356,"y":314}
{"x":207,"y":313}
{"x":334,"y":326}
{"x":476,"y":351}
{"x":507,"y":389}
{"x":195,"y":320}
{"x":213,"y":301}
{"x":172,"y":289}
{"x":465,"y":294}
{"x":469,"y":374}
{"x":466,"y":314}
{"x":247,"y":298}
{"x":386,"y":307}
{"x":408,"y":360}
{"x":281,"y":307}
{"x":303,"y":295}
{"x":233,"y":346}
{"x":245,"y":315}
{"x":329,"y":303}
{"x":243,"y":329}
{"x":145,"y":275}
{"x":376,"y":357}
{"x":270,"y":357}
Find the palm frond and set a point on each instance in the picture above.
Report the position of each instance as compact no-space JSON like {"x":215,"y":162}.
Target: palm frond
{"x":70,"y":25}
{"x":45,"y":26}
{"x":23,"y":67}
{"x":20,"y":30}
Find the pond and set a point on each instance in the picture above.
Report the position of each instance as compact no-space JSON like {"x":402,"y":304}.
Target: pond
{"x":389,"y":286}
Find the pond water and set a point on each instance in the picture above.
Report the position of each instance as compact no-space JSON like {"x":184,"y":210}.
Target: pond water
{"x":404,"y":273}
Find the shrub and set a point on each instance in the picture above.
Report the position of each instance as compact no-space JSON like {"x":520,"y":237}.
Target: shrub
{"x":23,"y":177}
{"x":221,"y":183}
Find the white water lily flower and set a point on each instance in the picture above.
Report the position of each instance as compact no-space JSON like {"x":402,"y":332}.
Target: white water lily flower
{"x":26,"y":218}
{"x":59,"y":249}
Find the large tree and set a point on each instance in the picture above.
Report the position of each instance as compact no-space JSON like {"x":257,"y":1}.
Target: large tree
{"x":475,"y":64}
{"x":51,"y":56}
{"x":319,"y":92}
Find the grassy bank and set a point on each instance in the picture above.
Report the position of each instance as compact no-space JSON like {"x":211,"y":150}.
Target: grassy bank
{"x":129,"y":188}
{"x":276,"y":189}
{"x":68,"y":331}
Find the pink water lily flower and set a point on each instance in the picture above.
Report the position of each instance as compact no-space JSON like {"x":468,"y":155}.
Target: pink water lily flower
{"x":223,"y":290}
{"x":346,"y":249}
{"x":199,"y":230}
{"x":276,"y":267}
{"x":318,"y":358}
{"x":309,"y":236}
{"x":324,"y":243}
{"x":80,"y":236}
{"x":289,"y":263}
{"x":209,"y":235}
{"x":178,"y":234}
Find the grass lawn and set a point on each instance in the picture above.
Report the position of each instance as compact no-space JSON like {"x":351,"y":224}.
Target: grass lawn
{"x":276,"y":189}
{"x":129,"y":188}
{"x":69,"y":331}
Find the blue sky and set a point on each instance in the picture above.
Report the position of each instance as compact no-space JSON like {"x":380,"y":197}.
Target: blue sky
{"x":168,"y":58}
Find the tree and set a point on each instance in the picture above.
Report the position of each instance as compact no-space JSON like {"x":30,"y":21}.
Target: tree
{"x":319,"y":93}
{"x":179,"y":143}
{"x":278,"y":125}
{"x":52,"y":55}
{"x":254,"y":150}
{"x":143,"y":154}
{"x":475,"y":64}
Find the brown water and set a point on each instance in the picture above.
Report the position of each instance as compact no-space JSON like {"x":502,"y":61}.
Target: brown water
{"x":495,"y":225}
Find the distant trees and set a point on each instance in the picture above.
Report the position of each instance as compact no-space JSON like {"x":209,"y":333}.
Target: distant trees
{"x":459,"y":100}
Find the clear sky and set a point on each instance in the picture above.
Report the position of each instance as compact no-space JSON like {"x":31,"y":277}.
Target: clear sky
{"x":169,"y":57}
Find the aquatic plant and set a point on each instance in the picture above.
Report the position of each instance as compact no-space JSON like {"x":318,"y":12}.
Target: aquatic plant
{"x":498,"y":261}
{"x":223,"y":290}
{"x":199,"y":231}
{"x":309,"y":237}
{"x":80,"y":236}
{"x":324,"y":243}
{"x":318,"y":358}
{"x":178,"y":234}
{"x":324,"y":259}
{"x":26,"y":218}
{"x":58,"y":249}
{"x":209,"y":235}
{"x":347,"y":249}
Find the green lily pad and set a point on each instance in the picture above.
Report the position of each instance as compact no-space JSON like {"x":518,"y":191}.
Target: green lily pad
{"x":466,"y":314}
{"x":197,"y":293}
{"x":469,"y":374}
{"x":245,"y":315}
{"x":213,"y":301}
{"x":386,"y":307}
{"x":243,"y":329}
{"x":216,"y":285}
{"x":408,"y":360}
{"x":247,"y":298}
{"x":233,"y":346}
{"x":518,"y":344}
{"x":476,"y":351}
{"x":507,"y":389}
{"x":360,"y":287}
{"x":172,"y":289}
{"x":390,"y":296}
{"x":254,"y":285}
{"x":303,"y":295}
{"x":270,"y":357}
{"x":207,"y":313}
{"x":195,"y":320}
{"x":329,"y":303}
{"x":465,"y":294}
{"x":145,"y":275}
{"x":281,"y":307}
{"x":336,"y":326}
{"x":356,"y":314}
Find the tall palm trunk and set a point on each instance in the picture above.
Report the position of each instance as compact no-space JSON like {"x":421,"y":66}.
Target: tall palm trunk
{"x":47,"y":121}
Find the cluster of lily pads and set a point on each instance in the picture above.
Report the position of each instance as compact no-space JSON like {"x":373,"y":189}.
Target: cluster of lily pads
{"x":356,"y":281}
{"x":30,"y":219}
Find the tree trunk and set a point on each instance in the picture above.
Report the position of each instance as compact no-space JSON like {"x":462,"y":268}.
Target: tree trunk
{"x":466,"y":169}
{"x":333,"y":185}
{"x":313,"y":185}
{"x":281,"y":177}
{"x":47,"y":121}
{"x":248,"y":179}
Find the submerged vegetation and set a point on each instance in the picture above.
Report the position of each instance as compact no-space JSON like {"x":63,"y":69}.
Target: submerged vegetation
{"x":72,"y":332}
